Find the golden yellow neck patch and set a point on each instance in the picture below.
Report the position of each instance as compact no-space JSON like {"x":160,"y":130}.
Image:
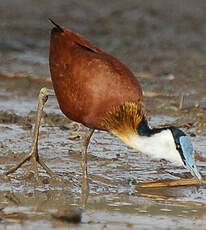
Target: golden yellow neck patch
{"x":124,"y":119}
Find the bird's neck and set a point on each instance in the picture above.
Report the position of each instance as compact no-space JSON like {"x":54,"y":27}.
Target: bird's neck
{"x":157,"y":143}
{"x":129,"y":124}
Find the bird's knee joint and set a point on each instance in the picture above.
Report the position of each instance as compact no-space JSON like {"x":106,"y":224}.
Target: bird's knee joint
{"x":43,"y":94}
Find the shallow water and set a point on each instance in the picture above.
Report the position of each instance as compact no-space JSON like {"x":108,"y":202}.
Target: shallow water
{"x":114,"y":200}
{"x":163,"y":42}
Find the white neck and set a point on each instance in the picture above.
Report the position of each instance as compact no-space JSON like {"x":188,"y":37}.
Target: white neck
{"x":160,"y":145}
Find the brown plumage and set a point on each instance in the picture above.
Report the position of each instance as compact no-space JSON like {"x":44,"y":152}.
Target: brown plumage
{"x":124,"y":119}
{"x":90,"y":84}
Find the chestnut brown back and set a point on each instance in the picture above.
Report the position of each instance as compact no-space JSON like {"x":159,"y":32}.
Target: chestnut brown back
{"x":87,"y":81}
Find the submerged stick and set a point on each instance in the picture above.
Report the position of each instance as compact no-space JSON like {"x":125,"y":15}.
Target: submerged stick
{"x":169,"y":183}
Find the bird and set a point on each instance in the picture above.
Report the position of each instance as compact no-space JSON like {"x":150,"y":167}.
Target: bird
{"x":97,"y":90}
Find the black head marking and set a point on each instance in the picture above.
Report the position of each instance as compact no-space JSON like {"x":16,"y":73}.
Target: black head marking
{"x":145,"y":130}
{"x":177,"y":133}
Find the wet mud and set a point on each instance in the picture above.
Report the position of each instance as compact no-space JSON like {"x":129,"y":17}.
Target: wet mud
{"x":163,"y":42}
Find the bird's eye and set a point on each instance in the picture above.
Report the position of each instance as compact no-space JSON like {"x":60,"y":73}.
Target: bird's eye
{"x":178,"y":146}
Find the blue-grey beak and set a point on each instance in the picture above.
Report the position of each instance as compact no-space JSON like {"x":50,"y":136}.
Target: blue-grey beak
{"x":188,"y":157}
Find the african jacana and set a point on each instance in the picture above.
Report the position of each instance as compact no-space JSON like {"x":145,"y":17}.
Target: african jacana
{"x":95,"y":89}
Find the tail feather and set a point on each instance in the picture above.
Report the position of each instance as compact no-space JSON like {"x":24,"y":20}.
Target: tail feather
{"x":75,"y":37}
{"x":58,"y":27}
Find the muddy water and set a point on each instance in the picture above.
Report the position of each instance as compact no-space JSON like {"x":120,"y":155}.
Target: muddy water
{"x":163,"y":42}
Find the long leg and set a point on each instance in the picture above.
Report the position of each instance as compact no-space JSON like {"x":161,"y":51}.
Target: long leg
{"x":33,"y":153}
{"x":85,"y":185}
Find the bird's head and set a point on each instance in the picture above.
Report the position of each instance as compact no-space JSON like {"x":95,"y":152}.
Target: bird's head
{"x":128,"y":122}
{"x":185,"y":149}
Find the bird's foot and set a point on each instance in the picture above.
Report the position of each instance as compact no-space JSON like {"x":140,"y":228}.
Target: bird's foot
{"x":35,"y":159}
{"x":33,"y":153}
